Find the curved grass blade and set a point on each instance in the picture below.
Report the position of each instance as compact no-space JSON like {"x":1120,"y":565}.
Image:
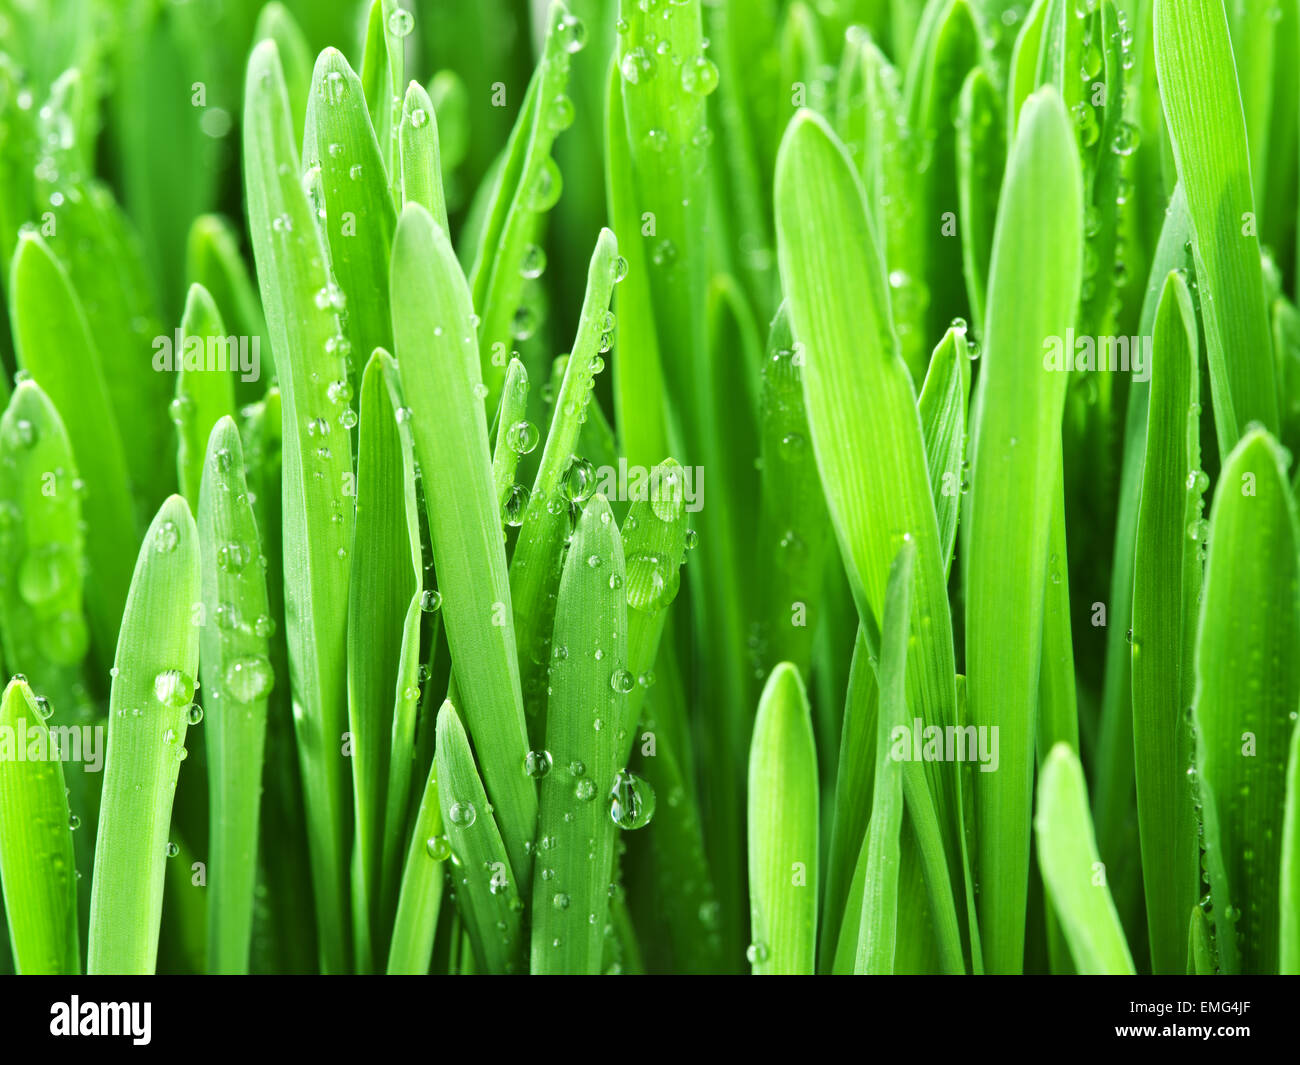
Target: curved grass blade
{"x":153,"y":690}
{"x":276,"y":23}
{"x":528,"y":185}
{"x":854,"y":784}
{"x":488,"y":895}
{"x":421,"y":157}
{"x":437,"y":358}
{"x":419,"y":900}
{"x":783,"y":845}
{"x":384,"y":609}
{"x":1200,"y":946}
{"x":1250,"y":615}
{"x":383,"y":69}
{"x":878,"y":925}
{"x":237,"y":677}
{"x":359,"y":216}
{"x":943,"y":404}
{"x":588,"y":732}
{"x":515,"y":436}
{"x":204,"y":394}
{"x":873,"y":467}
{"x":981,"y":161}
{"x":317,"y":472}
{"x":1075,"y":877}
{"x":1289,"y":895}
{"x":560,"y":482}
{"x":37,"y":866}
{"x":1166,"y":592}
{"x":1202,"y":103}
{"x":1033,"y":296}
{"x":54,"y":344}
{"x":794,"y":528}
{"x":41,"y":549}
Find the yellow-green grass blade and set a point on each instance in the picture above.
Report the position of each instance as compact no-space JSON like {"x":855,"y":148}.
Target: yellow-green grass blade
{"x":213,"y":260}
{"x":981,"y":160}
{"x":488,"y":894}
{"x":562,"y":480}
{"x":419,"y":900}
{"x":515,"y":436}
{"x":153,"y":690}
{"x":1166,"y":592}
{"x":317,"y":475}
{"x":276,"y":23}
{"x":870,"y":449}
{"x":783,"y":844}
{"x":343,"y":165}
{"x":237,"y":678}
{"x":383,"y":651}
{"x":1072,"y":872}
{"x":438,"y":358}
{"x":1247,"y":691}
{"x":1203,"y":109}
{"x":41,"y":550}
{"x":587,"y":795}
{"x":794,"y":527}
{"x":55,"y":346}
{"x":878,"y":925}
{"x":851,"y":809}
{"x":1254,"y":29}
{"x":37,"y":867}
{"x":943,"y":405}
{"x":421,"y":156}
{"x":204,"y":393}
{"x":1033,"y":296}
{"x":90,"y":236}
{"x":527,"y":186}
{"x":638,"y":386}
{"x":383,"y":70}
{"x":1200,"y":945}
{"x":1289,"y":893}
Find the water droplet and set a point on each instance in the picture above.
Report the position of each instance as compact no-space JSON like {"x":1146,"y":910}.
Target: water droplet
{"x":166,"y":537}
{"x":438,"y":848}
{"x":537,"y":764}
{"x":632,"y":801}
{"x":462,"y":814}
{"x":560,"y":901}
{"x":249,"y":678}
{"x":516,"y":505}
{"x":756,"y":953}
{"x":173,"y":688}
{"x":172,"y":849}
{"x":585,"y":790}
{"x":431,"y":601}
{"x":522,"y":437}
{"x":579,"y":481}
{"x":622,"y":681}
{"x":533,"y":263}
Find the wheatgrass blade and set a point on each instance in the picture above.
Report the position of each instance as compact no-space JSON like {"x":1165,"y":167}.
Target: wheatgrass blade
{"x":437,"y":356}
{"x":37,"y":867}
{"x":488,"y":895}
{"x":419,"y":900}
{"x":1067,"y":855}
{"x":149,"y":710}
{"x":1166,"y":591}
{"x":237,"y":678}
{"x":1033,"y":296}
{"x":316,"y":477}
{"x":421,"y":157}
{"x":1250,"y":615}
{"x":782,"y":824}
{"x":204,"y":394}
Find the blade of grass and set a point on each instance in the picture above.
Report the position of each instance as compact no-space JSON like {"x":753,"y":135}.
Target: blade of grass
{"x":488,"y":894}
{"x":588,"y":795}
{"x":37,"y":866}
{"x":317,"y":471}
{"x":438,"y":359}
{"x":419,"y":901}
{"x":1289,"y":894}
{"x":783,"y":847}
{"x":153,"y":689}
{"x":1203,"y":109}
{"x":873,"y":468}
{"x":1250,"y":615}
{"x":1166,"y":592}
{"x":878,"y":924}
{"x":421,"y":154}
{"x":1075,"y":877}
{"x":237,"y":677}
{"x":203,"y":395}
{"x":1033,"y":296}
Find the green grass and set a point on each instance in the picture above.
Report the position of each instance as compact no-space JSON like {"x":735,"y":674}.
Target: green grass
{"x":668,"y":525}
